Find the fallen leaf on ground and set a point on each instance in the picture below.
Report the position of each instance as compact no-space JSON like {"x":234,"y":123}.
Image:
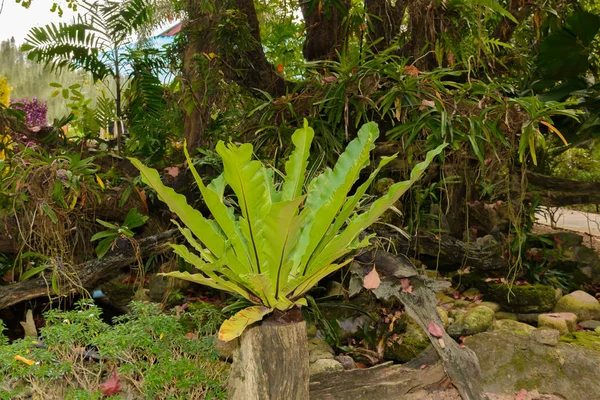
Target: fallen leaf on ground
{"x":112,"y":385}
{"x":372,"y":280}
{"x":173,"y":171}
{"x":435,"y":330}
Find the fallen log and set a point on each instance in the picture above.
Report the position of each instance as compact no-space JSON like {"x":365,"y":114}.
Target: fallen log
{"x":89,"y":274}
{"x":383,"y":381}
{"x":447,"y":251}
{"x":556,"y":192}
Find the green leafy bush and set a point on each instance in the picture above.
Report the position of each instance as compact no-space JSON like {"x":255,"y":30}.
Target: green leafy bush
{"x":288,"y":236}
{"x":155,"y":355}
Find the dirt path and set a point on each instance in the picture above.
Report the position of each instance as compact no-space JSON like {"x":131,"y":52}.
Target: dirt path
{"x":572,"y":220}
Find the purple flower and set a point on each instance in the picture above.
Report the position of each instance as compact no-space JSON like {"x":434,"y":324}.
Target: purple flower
{"x":36,"y":111}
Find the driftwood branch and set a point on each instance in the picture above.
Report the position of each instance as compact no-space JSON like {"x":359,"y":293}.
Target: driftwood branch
{"x":91,"y":273}
{"x":461,"y":365}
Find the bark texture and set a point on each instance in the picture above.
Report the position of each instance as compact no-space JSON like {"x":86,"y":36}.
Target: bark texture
{"x":384,"y":381}
{"x":271,"y":362}
{"x":325,"y":29}
{"x":91,"y":273}
{"x":385,"y":20}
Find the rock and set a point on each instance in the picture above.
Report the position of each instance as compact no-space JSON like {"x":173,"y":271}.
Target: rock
{"x":562,"y":322}
{"x":443,"y":299}
{"x":510,"y":362}
{"x":528,"y":318}
{"x":407,"y":346}
{"x":462,"y":303}
{"x":507,"y":315}
{"x":495,"y":307}
{"x":590,"y":325}
{"x":346,"y":361}
{"x":514,"y":326}
{"x":325,"y":366}
{"x":546,"y":336}
{"x":455,"y":314}
{"x":476,"y":320}
{"x":580,"y":303}
{"x":471,"y":292}
{"x":318,"y":349}
{"x":522,"y":298}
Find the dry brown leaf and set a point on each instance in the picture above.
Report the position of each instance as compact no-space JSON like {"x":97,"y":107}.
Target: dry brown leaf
{"x":372,"y":280}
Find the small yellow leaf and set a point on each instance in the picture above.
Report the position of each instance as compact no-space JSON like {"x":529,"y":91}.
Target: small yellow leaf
{"x":162,"y":335}
{"x":100,"y":183}
{"x":234,"y":326}
{"x":73,"y":202}
{"x":25,"y":360}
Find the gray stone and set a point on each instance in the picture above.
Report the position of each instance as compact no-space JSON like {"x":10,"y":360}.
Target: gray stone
{"x":346,"y":361}
{"x":325,"y":366}
{"x":590,"y":325}
{"x":546,"y":336}
{"x":510,"y":362}
{"x":528,"y":318}
{"x":476,"y":320}
{"x":580,"y":303}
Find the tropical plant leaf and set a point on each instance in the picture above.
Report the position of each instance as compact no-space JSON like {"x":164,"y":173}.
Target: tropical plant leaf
{"x":234,"y":326}
{"x":207,"y":231}
{"x":295,"y":167}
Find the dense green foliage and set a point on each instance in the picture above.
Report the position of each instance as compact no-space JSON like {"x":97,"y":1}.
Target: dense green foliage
{"x":157,"y":355}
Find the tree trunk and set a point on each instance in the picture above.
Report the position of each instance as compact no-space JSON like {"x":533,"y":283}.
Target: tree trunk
{"x":385,"y":21}
{"x":206,"y":58}
{"x":271,"y":361}
{"x":325,"y":29}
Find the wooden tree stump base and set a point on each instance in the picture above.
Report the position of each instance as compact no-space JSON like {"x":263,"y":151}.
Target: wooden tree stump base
{"x":271,"y":362}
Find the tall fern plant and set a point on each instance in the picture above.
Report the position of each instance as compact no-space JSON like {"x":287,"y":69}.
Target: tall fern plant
{"x":284,"y":239}
{"x":93,"y":41}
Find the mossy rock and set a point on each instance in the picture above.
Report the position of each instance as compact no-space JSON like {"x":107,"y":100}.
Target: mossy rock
{"x":409,"y":345}
{"x":511,"y":362}
{"x":580,"y":303}
{"x":586,"y":339}
{"x":476,"y":320}
{"x":522,"y":299}
{"x":514,"y":326}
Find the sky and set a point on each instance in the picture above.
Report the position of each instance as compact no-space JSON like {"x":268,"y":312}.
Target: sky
{"x":16,"y":20}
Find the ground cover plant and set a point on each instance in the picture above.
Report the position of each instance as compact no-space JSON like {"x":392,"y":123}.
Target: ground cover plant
{"x":152,"y":354}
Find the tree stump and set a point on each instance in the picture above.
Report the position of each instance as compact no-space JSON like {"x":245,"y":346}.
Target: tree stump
{"x":271,"y":361}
